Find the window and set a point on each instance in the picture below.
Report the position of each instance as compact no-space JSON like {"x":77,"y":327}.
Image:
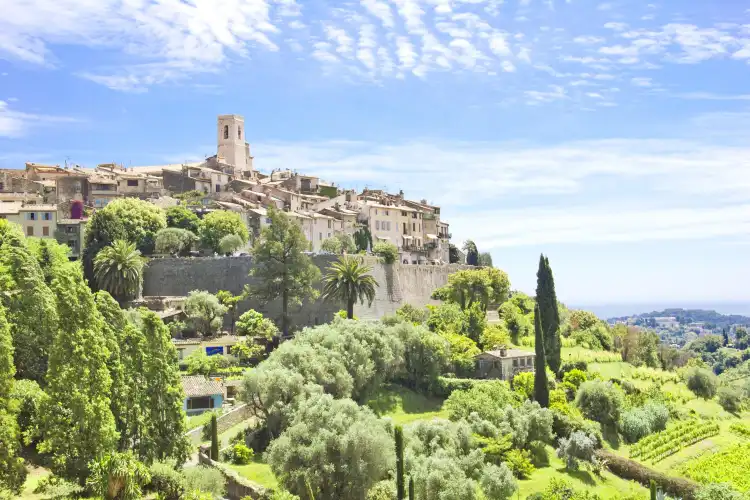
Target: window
{"x":218,"y":188}
{"x":530,"y":361}
{"x":29,"y":230}
{"x":329,"y":235}
{"x":239,"y":132}
{"x":226,"y":131}
{"x":403,"y":214}
{"x":70,"y":229}
{"x":46,"y":215}
{"x":202,"y":403}
{"x":329,"y":223}
{"x":386,"y":212}
{"x":515,"y":363}
{"x":523,"y":361}
{"x":413,"y":226}
{"x":30,"y":215}
{"x":320,"y":236}
{"x":45,"y":231}
{"x":404,"y":227}
{"x":132,"y":182}
{"x":377,"y":225}
{"x":376,"y":211}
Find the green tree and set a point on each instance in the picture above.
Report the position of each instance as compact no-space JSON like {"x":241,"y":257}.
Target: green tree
{"x":472,"y":254}
{"x":411,"y":488}
{"x":387,"y":252}
{"x":399,"y":440}
{"x":29,"y":302}
{"x":230,"y":244}
{"x":103,"y":229}
{"x":485,"y":259}
{"x":77,"y":417}
{"x":118,"y":476}
{"x":600,"y":401}
{"x":118,"y":269}
{"x":49,"y":253}
{"x":702,"y":382}
{"x":332,"y":245}
{"x":182,"y":218}
{"x":541,"y":389}
{"x":546,"y":298}
{"x":253,"y":324}
{"x":219,"y":223}
{"x":363,"y":239}
{"x":139,"y":219}
{"x":214,"y":438}
{"x":483,"y":286}
{"x":347,"y":280}
{"x":164,"y":429}
{"x":175,"y":241}
{"x":281,"y":269}
{"x":452,"y":254}
{"x":205,"y":312}
{"x":230,"y":301}
{"x":337,"y":447}
{"x":12,"y":470}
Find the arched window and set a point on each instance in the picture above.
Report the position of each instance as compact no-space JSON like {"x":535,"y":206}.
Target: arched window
{"x":226,"y":131}
{"x":239,"y":132}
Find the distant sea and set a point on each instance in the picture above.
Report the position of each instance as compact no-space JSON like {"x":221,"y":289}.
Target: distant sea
{"x":605,"y":311}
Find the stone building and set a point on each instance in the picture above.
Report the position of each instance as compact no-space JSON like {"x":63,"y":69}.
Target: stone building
{"x":503,"y":363}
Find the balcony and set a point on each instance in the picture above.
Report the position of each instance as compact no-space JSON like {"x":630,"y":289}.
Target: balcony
{"x":411,"y":247}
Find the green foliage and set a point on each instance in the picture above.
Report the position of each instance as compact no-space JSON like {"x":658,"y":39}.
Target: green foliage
{"x":363,"y":239}
{"x":348,"y":280}
{"x":476,"y":321}
{"x":487,"y":400}
{"x":518,"y":324}
{"x":560,"y":489}
{"x":29,"y":302}
{"x":205,"y":312}
{"x":446,"y":318}
{"x":118,"y":476}
{"x":730,"y":398}
{"x":583,"y":320}
{"x":497,"y":482}
{"x":519,"y":463}
{"x":728,"y":465}
{"x":332,"y":435}
{"x":541,"y":387}
{"x":523,"y":384}
{"x":218,"y":224}
{"x":282,"y":270}
{"x":546,"y":298}
{"x":600,"y":401}
{"x":200,"y":363}
{"x":387,"y":252}
{"x":239,"y":454}
{"x":398,"y":434}
{"x":702,"y":382}
{"x":483,"y":286}
{"x":659,"y":446}
{"x":640,"y":422}
{"x":718,"y":491}
{"x":494,"y":336}
{"x":339,"y":243}
{"x":415,"y":315}
{"x":253,"y":324}
{"x":576,"y":449}
{"x":426,"y":354}
{"x":575,"y":377}
{"x":57,"y":488}
{"x":12,"y":471}
{"x":103,"y":229}
{"x":206,"y":480}
{"x":463,"y":350}
{"x":118,"y":269}
{"x":175,"y":241}
{"x":28,"y":398}
{"x":485,"y":259}
{"x":472,"y":254}
{"x":167,"y":481}
{"x":49,"y":254}
{"x":230,"y":243}
{"x":179,"y":217}
{"x":140,"y":221}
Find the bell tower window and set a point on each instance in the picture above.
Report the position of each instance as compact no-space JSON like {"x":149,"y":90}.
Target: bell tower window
{"x":226,"y":131}
{"x":239,"y":132}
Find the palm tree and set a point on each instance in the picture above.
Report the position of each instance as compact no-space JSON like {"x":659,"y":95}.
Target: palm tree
{"x":348,"y":280}
{"x":118,"y":269}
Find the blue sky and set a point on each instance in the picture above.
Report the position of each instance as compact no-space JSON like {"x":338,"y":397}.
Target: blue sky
{"x":613,"y":136}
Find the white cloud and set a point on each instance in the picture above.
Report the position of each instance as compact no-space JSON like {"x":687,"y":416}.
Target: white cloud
{"x":14,"y":124}
{"x":604,"y":6}
{"x":588,"y":40}
{"x":709,"y":96}
{"x":616,"y":26}
{"x":641,"y":82}
{"x":555,"y":93}
{"x":381,"y":10}
{"x":499,"y":44}
{"x":508,"y":67}
{"x":524,"y":54}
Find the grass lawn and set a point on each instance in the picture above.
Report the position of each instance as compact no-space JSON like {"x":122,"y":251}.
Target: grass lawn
{"x":404,"y":406}
{"x":257,"y":472}
{"x":200,"y":420}
{"x":36,"y":474}
{"x":608,"y":486}
{"x":582,"y":354}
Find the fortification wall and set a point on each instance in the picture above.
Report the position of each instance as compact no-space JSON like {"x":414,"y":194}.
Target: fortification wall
{"x":399,"y":284}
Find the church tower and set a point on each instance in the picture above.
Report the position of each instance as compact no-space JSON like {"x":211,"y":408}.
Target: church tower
{"x":232,"y":146}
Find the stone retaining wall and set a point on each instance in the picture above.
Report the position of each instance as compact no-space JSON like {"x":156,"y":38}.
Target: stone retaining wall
{"x":237,"y":487}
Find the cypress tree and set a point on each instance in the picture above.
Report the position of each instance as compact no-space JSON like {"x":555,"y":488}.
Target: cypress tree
{"x":411,"y":488}
{"x":541,"y":390}
{"x":400,"y":484}
{"x":546,"y":299}
{"x":653,"y":490}
{"x":214,"y":438}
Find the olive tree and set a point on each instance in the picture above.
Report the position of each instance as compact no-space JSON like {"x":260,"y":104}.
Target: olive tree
{"x":205,"y":311}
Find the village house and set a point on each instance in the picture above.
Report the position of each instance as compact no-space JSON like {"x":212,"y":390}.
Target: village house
{"x":503,"y":363}
{"x":202,"y":394}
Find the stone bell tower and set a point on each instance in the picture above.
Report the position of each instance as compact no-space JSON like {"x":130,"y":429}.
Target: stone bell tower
{"x":231,"y":143}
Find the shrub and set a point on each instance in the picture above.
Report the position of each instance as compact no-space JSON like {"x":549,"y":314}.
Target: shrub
{"x":384,"y":490}
{"x":718,"y":491}
{"x":167,"y":480}
{"x":523,"y":384}
{"x":175,"y":241}
{"x":519,"y":463}
{"x":494,"y":336}
{"x":205,"y":479}
{"x":408,"y":312}
{"x":575,"y":449}
{"x":640,"y":422}
{"x":487,"y":400}
{"x":254,"y":324}
{"x":572,"y":365}
{"x":239,"y":454}
{"x":730,"y":398}
{"x":575,"y":377}
{"x":702,"y":382}
{"x":560,"y":489}
{"x":230,"y":243}
{"x":388,"y":252}
{"x":497,"y":482}
{"x":600,"y":401}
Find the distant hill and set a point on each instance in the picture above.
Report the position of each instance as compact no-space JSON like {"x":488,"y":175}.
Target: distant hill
{"x":709,"y":317}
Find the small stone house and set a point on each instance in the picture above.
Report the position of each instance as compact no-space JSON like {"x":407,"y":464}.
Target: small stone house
{"x":503,"y":363}
{"x":202,"y":394}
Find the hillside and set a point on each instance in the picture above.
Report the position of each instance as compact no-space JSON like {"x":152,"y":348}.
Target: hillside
{"x":685,"y":316}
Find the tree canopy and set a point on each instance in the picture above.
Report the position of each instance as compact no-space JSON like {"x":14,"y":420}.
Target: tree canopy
{"x":484,"y":286}
{"x":220,"y":223}
{"x":348,"y":280}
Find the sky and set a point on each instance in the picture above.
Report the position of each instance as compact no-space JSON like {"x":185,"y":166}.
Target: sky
{"x":613,"y":136}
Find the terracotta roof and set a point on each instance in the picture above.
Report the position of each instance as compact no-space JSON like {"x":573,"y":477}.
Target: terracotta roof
{"x":198,"y":385}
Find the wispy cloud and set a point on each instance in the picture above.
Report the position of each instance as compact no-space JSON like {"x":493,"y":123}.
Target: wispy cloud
{"x":710,"y":96}
{"x":15,"y":123}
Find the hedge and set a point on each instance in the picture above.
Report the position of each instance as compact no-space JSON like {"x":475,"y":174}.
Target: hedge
{"x":446,"y":385}
{"x":629,"y":469}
